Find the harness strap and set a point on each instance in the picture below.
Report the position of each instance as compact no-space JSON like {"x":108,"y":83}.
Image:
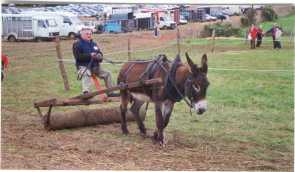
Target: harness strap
{"x":176,"y":88}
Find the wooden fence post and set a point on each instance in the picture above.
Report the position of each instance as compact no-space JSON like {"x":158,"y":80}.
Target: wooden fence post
{"x":61,"y":65}
{"x":129,"y":50}
{"x":213,"y":41}
{"x":178,"y":41}
{"x":291,"y":39}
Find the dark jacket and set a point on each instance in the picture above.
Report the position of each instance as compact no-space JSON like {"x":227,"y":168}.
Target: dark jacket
{"x":82,"y":50}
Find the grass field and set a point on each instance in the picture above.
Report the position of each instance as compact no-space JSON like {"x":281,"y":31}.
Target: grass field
{"x":249,"y":124}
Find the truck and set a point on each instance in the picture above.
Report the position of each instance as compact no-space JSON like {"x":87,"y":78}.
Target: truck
{"x":28,"y":27}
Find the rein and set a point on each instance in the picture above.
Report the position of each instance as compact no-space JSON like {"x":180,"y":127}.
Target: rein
{"x":187,"y":101}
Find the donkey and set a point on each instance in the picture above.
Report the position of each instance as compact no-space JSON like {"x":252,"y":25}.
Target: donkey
{"x":188,"y":82}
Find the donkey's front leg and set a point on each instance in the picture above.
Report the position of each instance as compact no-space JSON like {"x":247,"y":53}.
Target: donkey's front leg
{"x":167,"y":110}
{"x":158,"y":135}
{"x":124,"y":105}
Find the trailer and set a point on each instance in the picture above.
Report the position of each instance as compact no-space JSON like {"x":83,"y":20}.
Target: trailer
{"x":28,"y":27}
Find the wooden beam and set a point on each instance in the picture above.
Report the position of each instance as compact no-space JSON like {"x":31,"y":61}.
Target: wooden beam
{"x":120,"y":87}
{"x":72,"y":102}
{"x":61,"y":65}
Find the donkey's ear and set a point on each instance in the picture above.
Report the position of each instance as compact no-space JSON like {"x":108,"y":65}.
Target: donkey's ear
{"x":189,"y":60}
{"x":194,"y":67}
{"x":204,"y":67}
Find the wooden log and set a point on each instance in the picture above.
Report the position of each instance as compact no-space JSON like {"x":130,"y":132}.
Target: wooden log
{"x":88,"y":117}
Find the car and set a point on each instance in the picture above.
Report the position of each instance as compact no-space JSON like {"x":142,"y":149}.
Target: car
{"x":182,"y":20}
{"x":220,"y":16}
{"x":210,"y":18}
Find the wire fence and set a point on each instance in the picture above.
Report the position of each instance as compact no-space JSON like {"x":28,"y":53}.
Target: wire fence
{"x":180,"y":41}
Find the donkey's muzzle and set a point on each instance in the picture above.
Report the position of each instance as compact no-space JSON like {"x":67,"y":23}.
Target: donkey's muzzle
{"x":201,"y":107}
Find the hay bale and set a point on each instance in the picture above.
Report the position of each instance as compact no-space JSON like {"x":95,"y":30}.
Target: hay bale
{"x":88,"y":117}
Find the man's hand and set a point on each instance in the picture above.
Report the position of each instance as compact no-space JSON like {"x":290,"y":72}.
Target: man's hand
{"x":96,"y":56}
{"x":99,"y":57}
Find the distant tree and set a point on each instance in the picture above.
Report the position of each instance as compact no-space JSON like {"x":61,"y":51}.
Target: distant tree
{"x":249,"y":17}
{"x":268,"y":14}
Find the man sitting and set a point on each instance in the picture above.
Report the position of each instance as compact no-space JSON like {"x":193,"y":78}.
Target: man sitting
{"x":88,"y":58}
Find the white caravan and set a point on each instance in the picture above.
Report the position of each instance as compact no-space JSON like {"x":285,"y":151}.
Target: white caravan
{"x":28,"y":27}
{"x":69,"y":24}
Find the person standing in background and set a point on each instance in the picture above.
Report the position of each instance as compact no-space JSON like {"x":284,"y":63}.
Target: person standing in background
{"x":259,"y":36}
{"x":253,"y":34}
{"x":276,"y":33}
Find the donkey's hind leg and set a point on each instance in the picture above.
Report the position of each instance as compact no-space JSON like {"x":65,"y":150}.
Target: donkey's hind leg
{"x":124,"y":104}
{"x":135,"y":110}
{"x":158,"y":134}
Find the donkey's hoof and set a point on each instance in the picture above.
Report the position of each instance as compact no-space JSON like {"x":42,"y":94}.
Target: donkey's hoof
{"x":163,"y":144}
{"x":155,"y":137}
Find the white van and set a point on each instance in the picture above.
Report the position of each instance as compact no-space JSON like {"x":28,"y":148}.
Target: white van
{"x":166,"y":23}
{"x":28,"y":27}
{"x":69,"y":24}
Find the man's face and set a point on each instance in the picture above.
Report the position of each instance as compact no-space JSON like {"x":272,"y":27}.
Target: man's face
{"x":86,"y":35}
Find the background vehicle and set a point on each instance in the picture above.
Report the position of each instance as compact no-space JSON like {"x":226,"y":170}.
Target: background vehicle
{"x":210,"y":18}
{"x":91,"y":25}
{"x":182,"y":20}
{"x":69,"y":24}
{"x":166,"y":23}
{"x":28,"y":27}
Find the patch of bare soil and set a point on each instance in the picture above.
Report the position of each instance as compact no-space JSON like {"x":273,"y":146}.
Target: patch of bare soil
{"x":26,"y":145}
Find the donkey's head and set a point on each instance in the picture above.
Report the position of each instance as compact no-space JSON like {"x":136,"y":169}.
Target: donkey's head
{"x":197,"y":83}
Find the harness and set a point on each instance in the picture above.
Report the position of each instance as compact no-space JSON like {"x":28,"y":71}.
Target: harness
{"x":151,"y":67}
{"x":171,"y":90}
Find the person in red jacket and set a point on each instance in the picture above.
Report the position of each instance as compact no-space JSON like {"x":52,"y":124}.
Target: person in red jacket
{"x":253,"y":34}
{"x":4,"y":62}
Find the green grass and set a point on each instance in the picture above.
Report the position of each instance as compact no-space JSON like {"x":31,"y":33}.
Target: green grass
{"x":250,"y":107}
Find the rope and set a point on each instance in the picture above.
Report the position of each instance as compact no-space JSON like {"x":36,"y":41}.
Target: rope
{"x":211,"y":68}
{"x":253,"y":70}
